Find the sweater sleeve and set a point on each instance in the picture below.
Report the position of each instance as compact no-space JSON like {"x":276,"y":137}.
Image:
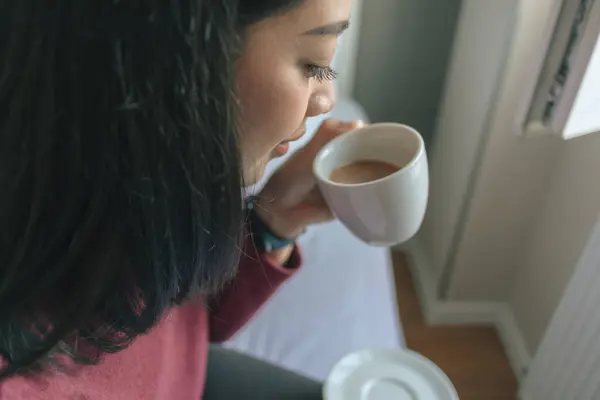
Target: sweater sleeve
{"x":256,"y":281}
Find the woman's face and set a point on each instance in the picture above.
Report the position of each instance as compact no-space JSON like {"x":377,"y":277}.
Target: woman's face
{"x":284,"y":77}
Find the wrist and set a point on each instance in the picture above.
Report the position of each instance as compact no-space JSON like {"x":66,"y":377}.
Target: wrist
{"x":266,"y":241}
{"x":280,"y":226}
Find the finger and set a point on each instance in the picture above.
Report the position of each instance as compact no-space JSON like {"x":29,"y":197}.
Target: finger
{"x":314,"y":214}
{"x":314,"y":209}
{"x":322,"y":214}
{"x":332,"y":128}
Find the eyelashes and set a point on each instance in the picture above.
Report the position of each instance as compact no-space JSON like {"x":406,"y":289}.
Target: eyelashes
{"x":321,"y":74}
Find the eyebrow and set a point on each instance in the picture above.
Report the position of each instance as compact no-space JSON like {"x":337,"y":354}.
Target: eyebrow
{"x":335,"y":29}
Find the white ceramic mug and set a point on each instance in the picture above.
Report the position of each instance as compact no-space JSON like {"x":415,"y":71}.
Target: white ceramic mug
{"x":384,"y":212}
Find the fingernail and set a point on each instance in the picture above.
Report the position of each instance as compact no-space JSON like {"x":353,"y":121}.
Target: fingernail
{"x":337,"y":124}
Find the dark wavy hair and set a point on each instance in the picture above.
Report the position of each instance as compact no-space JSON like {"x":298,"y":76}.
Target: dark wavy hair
{"x":120,"y":173}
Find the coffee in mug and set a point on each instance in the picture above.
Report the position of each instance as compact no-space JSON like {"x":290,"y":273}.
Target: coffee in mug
{"x":363,"y":171}
{"x":375,"y":179}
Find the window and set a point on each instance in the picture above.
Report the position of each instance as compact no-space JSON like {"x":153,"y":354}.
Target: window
{"x":585,"y":116}
{"x":567,"y":98}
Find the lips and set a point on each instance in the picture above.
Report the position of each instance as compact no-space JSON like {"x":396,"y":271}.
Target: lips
{"x":298,"y":136}
{"x":282,"y":148}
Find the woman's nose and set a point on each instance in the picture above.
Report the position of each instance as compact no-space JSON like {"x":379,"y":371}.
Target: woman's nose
{"x":322,"y":101}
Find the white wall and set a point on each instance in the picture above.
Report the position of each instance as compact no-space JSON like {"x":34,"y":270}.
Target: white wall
{"x":566,"y":363}
{"x":564,"y":223}
{"x":509,"y":214}
{"x":346,"y":55}
{"x":402,"y":59}
{"x":513,"y":175}
{"x":482,"y":44}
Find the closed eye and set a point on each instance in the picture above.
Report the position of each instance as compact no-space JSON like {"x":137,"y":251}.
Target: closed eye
{"x":320,"y":73}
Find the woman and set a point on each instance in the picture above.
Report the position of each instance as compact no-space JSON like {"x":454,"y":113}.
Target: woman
{"x":128,"y":131}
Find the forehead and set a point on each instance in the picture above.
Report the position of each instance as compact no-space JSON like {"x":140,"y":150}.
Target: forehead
{"x":320,"y":12}
{"x":309,"y":14}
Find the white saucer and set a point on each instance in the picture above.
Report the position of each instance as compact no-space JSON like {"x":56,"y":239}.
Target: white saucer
{"x":388,"y":374}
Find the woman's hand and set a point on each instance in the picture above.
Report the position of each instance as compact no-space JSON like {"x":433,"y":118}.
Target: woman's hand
{"x":291,"y":200}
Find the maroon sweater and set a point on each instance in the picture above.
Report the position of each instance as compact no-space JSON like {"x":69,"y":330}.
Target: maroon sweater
{"x":170,"y":362}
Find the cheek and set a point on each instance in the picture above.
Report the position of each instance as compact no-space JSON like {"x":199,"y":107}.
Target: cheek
{"x":273,"y":104}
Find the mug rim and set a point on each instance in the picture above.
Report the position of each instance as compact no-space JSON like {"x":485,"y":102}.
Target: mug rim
{"x":356,"y":132}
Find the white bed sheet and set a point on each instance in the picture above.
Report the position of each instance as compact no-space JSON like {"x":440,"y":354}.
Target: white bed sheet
{"x":342,"y":299}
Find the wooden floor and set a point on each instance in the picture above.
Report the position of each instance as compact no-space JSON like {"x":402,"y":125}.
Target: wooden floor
{"x":472,"y":357}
